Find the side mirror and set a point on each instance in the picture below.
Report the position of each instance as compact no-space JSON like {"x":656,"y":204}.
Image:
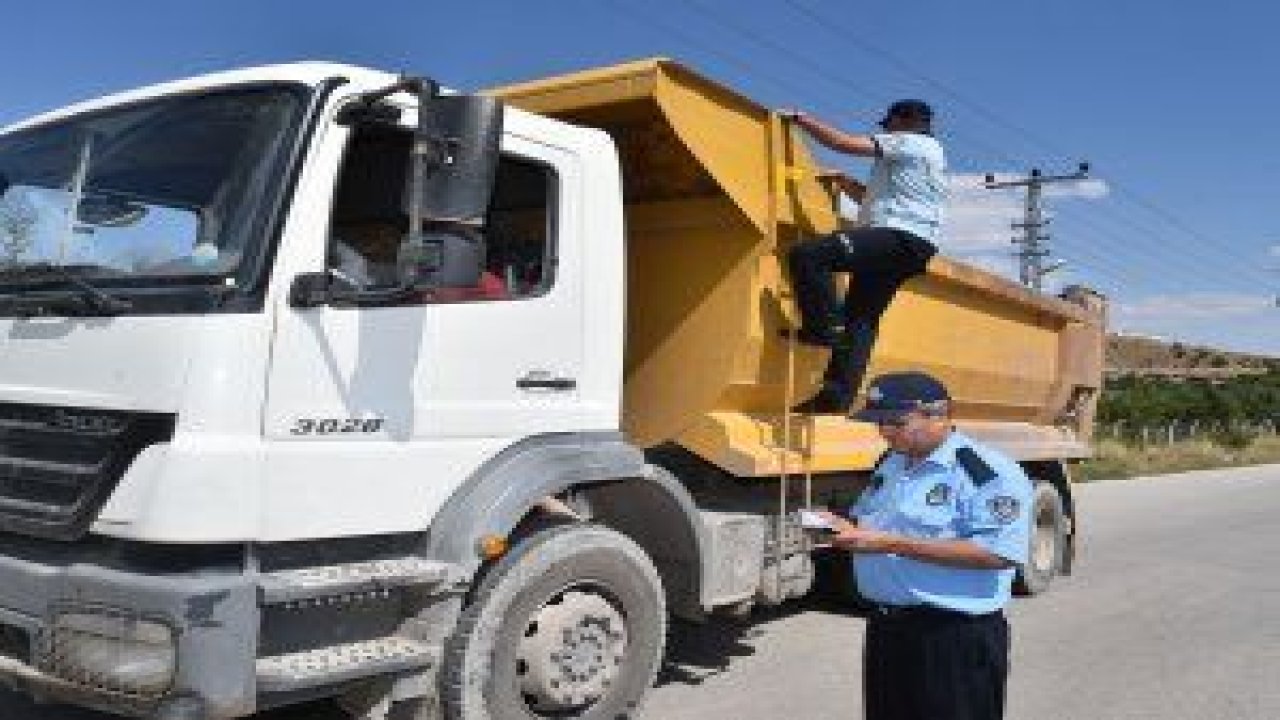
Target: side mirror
{"x":456,"y":152}
{"x":453,"y":165}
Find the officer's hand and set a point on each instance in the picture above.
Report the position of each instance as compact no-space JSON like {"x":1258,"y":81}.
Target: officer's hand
{"x":837,"y":523}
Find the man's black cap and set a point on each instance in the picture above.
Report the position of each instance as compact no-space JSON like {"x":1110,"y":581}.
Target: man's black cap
{"x":910,"y":109}
{"x":893,"y":395}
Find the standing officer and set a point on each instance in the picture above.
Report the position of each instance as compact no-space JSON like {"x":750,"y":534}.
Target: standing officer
{"x":935,"y":539}
{"x":899,"y":216}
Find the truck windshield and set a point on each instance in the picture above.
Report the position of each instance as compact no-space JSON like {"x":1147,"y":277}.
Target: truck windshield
{"x":165,"y":190}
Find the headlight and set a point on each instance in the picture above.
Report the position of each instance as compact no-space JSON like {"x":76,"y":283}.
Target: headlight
{"x":112,"y":653}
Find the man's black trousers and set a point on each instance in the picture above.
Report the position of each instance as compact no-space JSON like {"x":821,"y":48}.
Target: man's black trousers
{"x":935,"y":666}
{"x":878,"y":261}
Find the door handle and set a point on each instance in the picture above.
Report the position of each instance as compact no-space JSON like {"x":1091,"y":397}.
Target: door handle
{"x":543,"y":380}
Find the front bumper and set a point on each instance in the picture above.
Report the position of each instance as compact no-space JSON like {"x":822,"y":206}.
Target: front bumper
{"x":212,"y":613}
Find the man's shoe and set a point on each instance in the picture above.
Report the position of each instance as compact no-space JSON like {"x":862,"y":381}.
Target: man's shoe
{"x":830,"y":400}
{"x":833,"y":339}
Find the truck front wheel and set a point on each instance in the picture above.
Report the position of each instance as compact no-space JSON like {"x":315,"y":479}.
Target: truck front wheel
{"x":570,"y":624}
{"x":1048,"y":541}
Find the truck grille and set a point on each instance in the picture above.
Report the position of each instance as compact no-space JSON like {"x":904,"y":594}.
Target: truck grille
{"x":58,"y":465}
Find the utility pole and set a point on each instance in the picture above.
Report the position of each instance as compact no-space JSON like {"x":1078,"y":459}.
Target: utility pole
{"x":1033,"y":247}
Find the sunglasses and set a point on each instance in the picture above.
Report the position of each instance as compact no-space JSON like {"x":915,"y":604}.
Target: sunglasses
{"x":895,"y":423}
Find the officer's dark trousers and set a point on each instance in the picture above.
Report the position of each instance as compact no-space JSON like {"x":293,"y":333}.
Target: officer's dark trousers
{"x":937,"y":666}
{"x":878,"y":261}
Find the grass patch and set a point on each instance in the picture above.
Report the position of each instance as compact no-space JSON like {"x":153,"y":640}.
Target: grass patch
{"x":1116,"y":459}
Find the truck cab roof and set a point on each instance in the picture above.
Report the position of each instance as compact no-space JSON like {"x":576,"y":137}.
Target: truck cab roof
{"x":306,"y":73}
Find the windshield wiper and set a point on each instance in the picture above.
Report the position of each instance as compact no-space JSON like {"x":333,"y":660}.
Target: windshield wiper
{"x":94,"y":297}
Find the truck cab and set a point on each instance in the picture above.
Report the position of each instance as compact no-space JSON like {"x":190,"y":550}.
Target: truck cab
{"x":181,"y":416}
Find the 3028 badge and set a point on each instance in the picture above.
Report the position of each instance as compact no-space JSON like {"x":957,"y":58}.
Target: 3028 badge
{"x":335,"y":426}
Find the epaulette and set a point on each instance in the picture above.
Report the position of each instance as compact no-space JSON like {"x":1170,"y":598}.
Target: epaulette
{"x":876,"y":479}
{"x":977,"y":468}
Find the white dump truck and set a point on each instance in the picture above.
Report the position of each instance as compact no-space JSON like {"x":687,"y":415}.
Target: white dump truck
{"x":317,"y":381}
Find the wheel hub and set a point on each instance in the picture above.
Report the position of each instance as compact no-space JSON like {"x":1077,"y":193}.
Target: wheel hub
{"x":571,"y":652}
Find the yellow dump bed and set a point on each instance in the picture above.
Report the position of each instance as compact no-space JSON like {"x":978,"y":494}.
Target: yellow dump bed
{"x":716,"y":189}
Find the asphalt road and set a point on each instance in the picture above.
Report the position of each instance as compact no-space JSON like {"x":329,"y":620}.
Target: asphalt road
{"x":1173,"y":613}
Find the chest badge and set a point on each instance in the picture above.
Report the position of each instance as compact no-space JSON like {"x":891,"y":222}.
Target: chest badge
{"x":939,"y":494}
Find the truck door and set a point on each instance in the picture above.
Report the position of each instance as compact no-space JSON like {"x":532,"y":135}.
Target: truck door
{"x":439,"y":382}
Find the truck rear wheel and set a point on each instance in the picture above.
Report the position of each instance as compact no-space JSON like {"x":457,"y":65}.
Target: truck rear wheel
{"x":570,"y":624}
{"x":1048,"y":541}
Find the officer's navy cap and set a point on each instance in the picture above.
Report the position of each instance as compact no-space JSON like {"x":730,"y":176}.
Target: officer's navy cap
{"x":893,"y":395}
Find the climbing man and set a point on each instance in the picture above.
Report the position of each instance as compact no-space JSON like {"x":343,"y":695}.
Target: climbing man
{"x":899,"y":217}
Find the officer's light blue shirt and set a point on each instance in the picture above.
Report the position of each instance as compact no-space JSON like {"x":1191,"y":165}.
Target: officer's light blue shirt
{"x":908,"y":186}
{"x":937,"y":499}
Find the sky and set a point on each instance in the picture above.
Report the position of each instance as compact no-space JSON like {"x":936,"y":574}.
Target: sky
{"x":1172,"y":104}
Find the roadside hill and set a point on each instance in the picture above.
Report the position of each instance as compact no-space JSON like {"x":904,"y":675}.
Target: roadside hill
{"x":1150,"y":356}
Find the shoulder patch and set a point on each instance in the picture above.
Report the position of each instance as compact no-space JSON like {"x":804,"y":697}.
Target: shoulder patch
{"x":977,"y":468}
{"x":876,"y":478}
{"x":1005,"y":508}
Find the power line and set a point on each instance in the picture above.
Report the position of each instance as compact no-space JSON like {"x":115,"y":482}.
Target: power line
{"x":755,"y":70}
{"x":700,"y":44}
{"x":1092,"y":270}
{"x":1197,"y":270}
{"x":1195,"y":259}
{"x":817,"y":69}
{"x":1175,"y":267}
{"x":826,"y":74}
{"x":1176,"y":223}
{"x":847,"y":34}
{"x":821,"y":70}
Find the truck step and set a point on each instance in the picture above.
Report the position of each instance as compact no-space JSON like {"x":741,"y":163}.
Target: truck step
{"x":351,"y":579}
{"x":343,"y":663}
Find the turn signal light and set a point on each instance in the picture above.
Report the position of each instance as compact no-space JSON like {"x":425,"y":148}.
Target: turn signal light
{"x":492,"y":547}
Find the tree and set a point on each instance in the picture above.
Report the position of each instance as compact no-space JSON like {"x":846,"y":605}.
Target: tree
{"x":1153,"y":401}
{"x":18,"y":218}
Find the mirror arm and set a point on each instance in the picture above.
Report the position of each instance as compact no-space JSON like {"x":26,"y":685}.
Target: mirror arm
{"x":368,"y":107}
{"x":427,"y":151}
{"x":310,"y":290}
{"x":422,"y":87}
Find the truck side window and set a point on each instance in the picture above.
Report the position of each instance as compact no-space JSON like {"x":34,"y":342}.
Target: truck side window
{"x":368,"y":222}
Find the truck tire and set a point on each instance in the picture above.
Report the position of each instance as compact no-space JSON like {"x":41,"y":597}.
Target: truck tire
{"x":571,"y":623}
{"x":1048,"y":541}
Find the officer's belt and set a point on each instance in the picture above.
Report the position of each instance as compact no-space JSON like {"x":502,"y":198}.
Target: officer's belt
{"x":876,"y":611}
